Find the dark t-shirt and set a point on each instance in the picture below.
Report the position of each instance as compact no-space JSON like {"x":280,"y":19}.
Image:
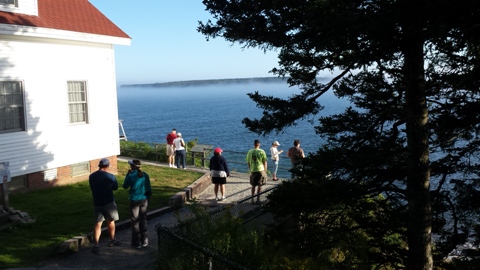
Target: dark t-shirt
{"x":219,"y":163}
{"x":102,"y":184}
{"x":295,"y":154}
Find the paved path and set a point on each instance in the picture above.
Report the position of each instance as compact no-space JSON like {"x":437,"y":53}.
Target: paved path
{"x":127,"y":257}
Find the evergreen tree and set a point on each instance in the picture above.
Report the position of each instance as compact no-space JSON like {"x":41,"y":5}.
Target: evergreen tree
{"x":405,"y":155}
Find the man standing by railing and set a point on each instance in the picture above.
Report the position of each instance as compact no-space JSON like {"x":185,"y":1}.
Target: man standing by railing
{"x":257,"y":165}
{"x":171,"y":148}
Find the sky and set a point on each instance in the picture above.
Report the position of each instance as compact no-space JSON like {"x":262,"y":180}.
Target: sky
{"x":166,"y":46}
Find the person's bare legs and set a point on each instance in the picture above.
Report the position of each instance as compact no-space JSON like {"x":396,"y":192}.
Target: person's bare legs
{"x":97,"y":230}
{"x":259,"y":189}
{"x":111,"y":230}
{"x":171,"y":160}
{"x":222,"y":190}
{"x":216,"y":191}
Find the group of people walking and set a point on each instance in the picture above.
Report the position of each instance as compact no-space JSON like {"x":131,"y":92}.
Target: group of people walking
{"x":257,"y":165}
{"x":102,"y":184}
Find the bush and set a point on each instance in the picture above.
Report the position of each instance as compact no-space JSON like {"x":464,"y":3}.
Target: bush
{"x":152,"y":151}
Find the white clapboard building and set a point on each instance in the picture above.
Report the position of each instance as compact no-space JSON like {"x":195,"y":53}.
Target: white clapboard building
{"x":58,"y":99}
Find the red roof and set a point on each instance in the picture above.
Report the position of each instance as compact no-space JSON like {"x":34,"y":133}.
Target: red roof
{"x":70,"y":15}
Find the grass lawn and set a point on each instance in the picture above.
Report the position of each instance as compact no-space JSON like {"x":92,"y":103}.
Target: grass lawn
{"x":67,"y":211}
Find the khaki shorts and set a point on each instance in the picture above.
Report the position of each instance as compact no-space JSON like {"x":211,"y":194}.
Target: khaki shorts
{"x":258,"y":178}
{"x":170,"y":150}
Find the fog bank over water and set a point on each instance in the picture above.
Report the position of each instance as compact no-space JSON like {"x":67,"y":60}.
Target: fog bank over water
{"x":213,"y":114}
{"x":211,"y":82}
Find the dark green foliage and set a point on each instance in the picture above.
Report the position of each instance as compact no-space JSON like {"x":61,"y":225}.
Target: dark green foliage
{"x":143,"y":150}
{"x":153,"y":151}
{"x":406,"y":151}
{"x":227,"y":243}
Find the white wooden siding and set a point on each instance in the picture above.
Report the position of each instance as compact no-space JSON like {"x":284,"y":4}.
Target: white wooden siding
{"x":50,"y":141}
{"x":29,"y":7}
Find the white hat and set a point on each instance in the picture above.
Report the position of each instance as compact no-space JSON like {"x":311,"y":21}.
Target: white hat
{"x":179,"y":134}
{"x":276,"y":143}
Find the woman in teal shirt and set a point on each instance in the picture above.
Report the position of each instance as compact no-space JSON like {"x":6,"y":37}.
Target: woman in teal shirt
{"x":140,"y":191}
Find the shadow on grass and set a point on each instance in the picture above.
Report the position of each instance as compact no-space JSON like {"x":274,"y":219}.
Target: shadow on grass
{"x":67,"y":211}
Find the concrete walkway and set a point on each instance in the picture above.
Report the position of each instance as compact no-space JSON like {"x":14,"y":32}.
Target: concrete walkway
{"x":127,"y":257}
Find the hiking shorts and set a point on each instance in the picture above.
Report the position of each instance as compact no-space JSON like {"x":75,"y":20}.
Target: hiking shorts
{"x":107,"y":212}
{"x":170,"y":150}
{"x":258,"y":178}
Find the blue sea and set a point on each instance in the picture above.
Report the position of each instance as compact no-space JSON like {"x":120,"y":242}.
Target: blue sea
{"x":213,"y":115}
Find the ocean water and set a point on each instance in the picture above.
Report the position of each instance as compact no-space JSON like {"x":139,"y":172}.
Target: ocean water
{"x":213,"y":115}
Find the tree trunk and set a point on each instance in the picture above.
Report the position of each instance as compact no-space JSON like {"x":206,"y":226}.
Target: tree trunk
{"x":418,"y":181}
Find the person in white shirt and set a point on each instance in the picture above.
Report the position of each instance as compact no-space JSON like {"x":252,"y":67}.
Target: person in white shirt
{"x":275,"y":158}
{"x":180,"y":151}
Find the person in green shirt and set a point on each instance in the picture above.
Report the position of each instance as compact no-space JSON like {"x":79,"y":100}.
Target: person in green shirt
{"x":257,"y":165}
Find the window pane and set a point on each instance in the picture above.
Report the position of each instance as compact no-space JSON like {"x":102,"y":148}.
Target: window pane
{"x":9,"y":124}
{"x":77,"y":102}
{"x":8,"y":2}
{"x":80,"y":169}
{"x":12,"y":116}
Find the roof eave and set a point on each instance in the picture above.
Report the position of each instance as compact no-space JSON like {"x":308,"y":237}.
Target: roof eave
{"x":39,"y":32}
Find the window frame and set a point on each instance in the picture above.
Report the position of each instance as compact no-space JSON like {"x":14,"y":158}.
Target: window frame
{"x":79,"y":169}
{"x":20,"y":116}
{"x":18,"y":183}
{"x":6,"y":4}
{"x":77,"y":115}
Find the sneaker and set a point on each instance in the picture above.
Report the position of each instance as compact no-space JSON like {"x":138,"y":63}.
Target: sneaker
{"x":145,"y":244}
{"x":223,"y":199}
{"x":217,"y":199}
{"x":114,"y":242}
{"x":96,"y":249}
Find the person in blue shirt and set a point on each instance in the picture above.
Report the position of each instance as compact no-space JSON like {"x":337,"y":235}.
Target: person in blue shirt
{"x":102,"y":184}
{"x":139,"y":194}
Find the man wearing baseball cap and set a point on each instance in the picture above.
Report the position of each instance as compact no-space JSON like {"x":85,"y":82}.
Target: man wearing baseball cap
{"x":102,"y":183}
{"x":274,"y":152}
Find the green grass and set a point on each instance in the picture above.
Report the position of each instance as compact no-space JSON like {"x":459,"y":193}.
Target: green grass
{"x":67,"y":211}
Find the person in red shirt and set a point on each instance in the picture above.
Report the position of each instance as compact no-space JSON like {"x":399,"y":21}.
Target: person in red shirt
{"x":171,"y":148}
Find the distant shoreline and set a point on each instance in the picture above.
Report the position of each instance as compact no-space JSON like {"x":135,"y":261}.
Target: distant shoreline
{"x":210,"y":82}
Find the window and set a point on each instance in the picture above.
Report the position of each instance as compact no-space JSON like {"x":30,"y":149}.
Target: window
{"x":12,"y":112}
{"x":77,"y":102}
{"x":17,"y":183}
{"x":9,"y":3}
{"x":80,"y":169}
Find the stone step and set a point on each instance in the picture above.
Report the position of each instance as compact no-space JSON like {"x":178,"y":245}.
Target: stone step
{"x":4,"y":217}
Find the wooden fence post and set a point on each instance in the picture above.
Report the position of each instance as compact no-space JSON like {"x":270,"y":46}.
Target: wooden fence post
{"x":5,"y":202}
